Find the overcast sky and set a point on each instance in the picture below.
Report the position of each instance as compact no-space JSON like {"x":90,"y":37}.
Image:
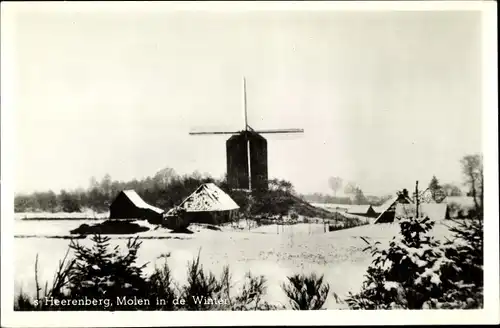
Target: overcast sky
{"x":385,"y":98}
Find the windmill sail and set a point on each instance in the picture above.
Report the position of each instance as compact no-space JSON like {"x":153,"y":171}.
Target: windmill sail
{"x":246,"y":152}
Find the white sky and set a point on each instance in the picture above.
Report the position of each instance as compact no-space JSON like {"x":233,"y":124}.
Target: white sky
{"x":385,"y":98}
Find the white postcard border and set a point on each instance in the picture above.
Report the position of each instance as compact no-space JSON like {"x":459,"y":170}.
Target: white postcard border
{"x":490,"y":314}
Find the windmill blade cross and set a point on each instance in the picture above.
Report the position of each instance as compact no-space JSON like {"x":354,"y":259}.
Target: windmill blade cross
{"x":281,"y":131}
{"x":213,"y":132}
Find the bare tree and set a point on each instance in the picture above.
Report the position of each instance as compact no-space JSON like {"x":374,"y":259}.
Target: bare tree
{"x":350,"y":188}
{"x":106,"y":185}
{"x":335,"y":183}
{"x":472,"y":168}
{"x":164,"y":177}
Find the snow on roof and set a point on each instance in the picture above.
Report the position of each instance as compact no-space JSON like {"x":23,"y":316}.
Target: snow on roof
{"x":139,"y":202}
{"x":208,"y":198}
{"x":358,"y":209}
{"x":390,"y":203}
{"x":433,"y":211}
{"x":385,"y":206}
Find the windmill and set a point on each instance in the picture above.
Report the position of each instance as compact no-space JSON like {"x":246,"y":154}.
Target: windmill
{"x":246,"y":153}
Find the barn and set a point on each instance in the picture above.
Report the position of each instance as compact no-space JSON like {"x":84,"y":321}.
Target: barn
{"x":363,"y":210}
{"x":209,"y":204}
{"x":129,"y":205}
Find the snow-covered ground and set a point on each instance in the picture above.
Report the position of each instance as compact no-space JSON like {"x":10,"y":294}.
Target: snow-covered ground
{"x":273,"y":251}
{"x":85,"y":215}
{"x":332,"y":207}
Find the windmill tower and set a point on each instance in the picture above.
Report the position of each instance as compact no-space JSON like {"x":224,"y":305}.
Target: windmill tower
{"x":246,"y":153}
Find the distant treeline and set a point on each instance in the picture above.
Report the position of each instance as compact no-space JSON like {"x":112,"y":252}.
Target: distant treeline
{"x":165,"y":189}
{"x":359,"y":200}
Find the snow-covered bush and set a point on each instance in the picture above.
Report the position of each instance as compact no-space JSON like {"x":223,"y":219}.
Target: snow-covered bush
{"x":417,"y":272}
{"x":463,"y":269}
{"x":104,"y":273}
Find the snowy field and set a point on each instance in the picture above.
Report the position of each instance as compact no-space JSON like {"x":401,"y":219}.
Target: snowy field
{"x":332,"y":207}
{"x":273,"y":251}
{"x":86,"y":215}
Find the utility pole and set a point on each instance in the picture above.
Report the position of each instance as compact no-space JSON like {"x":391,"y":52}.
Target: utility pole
{"x":416,"y":198}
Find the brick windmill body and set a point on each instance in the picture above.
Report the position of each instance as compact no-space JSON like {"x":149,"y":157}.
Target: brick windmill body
{"x":246,"y":154}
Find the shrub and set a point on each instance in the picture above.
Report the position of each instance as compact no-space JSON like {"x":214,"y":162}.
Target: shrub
{"x":401,"y":276}
{"x":201,"y":287}
{"x":463,"y":286}
{"x":251,"y":294}
{"x":23,"y":302}
{"x":306,"y":292}
{"x":417,"y":272}
{"x":103,"y":274}
{"x":161,"y":286}
{"x":203,"y":291}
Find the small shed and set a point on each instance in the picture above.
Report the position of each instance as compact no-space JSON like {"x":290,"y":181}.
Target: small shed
{"x":129,"y":205}
{"x":209,"y":204}
{"x":363,"y":210}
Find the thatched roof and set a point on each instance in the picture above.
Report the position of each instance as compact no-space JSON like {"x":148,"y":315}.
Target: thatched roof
{"x":209,"y":198}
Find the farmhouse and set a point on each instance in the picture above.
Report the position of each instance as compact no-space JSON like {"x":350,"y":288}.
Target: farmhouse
{"x":434,"y":211}
{"x":129,"y":205}
{"x":460,"y":206}
{"x":364,"y":210}
{"x":209,"y":204}
{"x":388,"y":209}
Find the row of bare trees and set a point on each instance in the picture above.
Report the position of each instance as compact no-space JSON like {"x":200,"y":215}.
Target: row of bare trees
{"x":472,"y":169}
{"x":351,"y":189}
{"x":164,"y":189}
